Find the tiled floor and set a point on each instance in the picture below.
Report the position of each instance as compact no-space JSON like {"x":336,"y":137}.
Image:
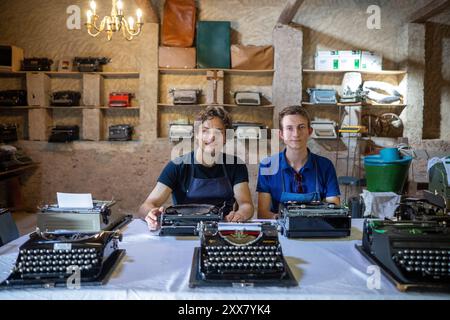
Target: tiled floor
{"x":26,"y":222}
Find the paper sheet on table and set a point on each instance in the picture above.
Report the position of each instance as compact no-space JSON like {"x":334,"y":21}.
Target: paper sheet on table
{"x":75,"y":200}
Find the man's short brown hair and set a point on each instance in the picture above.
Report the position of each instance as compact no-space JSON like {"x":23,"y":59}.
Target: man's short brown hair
{"x":294,"y":110}
{"x":216,"y":111}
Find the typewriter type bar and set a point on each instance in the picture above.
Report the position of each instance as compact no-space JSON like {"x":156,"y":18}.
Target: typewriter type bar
{"x":413,"y":255}
{"x":239,"y":255}
{"x":314,"y":220}
{"x":48,"y":259}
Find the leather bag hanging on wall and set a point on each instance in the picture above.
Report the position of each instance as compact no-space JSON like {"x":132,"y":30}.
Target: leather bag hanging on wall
{"x":178,"y":26}
{"x":251,"y":57}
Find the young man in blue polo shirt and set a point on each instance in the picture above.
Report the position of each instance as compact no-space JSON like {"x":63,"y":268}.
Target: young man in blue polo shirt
{"x":296,"y":174}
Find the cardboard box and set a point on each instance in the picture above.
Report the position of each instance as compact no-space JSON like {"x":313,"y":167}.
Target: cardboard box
{"x":326,"y":60}
{"x":371,"y":61}
{"x":349,"y":60}
{"x":177,"y":58}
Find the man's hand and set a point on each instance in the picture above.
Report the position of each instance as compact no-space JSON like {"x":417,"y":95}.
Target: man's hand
{"x":234,"y":216}
{"x":152,"y":218}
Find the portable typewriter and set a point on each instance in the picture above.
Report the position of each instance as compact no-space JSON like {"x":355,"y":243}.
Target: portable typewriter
{"x":64,"y":134}
{"x":247,"y":98}
{"x":36,"y":64}
{"x":120,"y":99}
{"x":13,"y":98}
{"x":413,"y":255}
{"x":183,"y":220}
{"x":8,"y":133}
{"x":185,"y":96}
{"x":300,"y":220}
{"x":99,"y":217}
{"x":66,"y":98}
{"x":322,"y":96}
{"x":120,"y":132}
{"x":90,"y":64}
{"x":248,"y":130}
{"x":50,"y":259}
{"x":239,"y":254}
{"x":12,"y":157}
{"x":414,"y":209}
{"x":180,"y":131}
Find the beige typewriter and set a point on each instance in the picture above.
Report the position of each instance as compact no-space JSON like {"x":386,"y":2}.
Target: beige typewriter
{"x":247,"y":98}
{"x":179,"y":132}
{"x":185,"y":96}
{"x":323,"y":130}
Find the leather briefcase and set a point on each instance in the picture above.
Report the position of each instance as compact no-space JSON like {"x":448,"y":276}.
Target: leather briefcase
{"x":251,"y":57}
{"x":177,"y":58}
{"x":178,"y":26}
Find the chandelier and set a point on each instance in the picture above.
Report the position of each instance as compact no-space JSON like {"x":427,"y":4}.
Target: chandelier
{"x":116,"y":22}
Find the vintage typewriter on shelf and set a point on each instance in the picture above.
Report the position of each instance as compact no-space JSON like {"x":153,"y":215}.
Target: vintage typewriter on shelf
{"x":66,"y":98}
{"x":120,"y":132}
{"x":249,"y":130}
{"x":185,"y":96}
{"x":90,"y":64}
{"x":36,"y":64}
{"x":309,"y":220}
{"x":50,"y":259}
{"x":247,"y":98}
{"x":180,"y":131}
{"x":413,"y":254}
{"x":239,"y":254}
{"x":120,"y":99}
{"x":64,"y":134}
{"x":100,"y":217}
{"x":8,"y":133}
{"x":322,"y":96}
{"x":323,"y":130}
{"x":13,"y":98}
{"x":182,"y":220}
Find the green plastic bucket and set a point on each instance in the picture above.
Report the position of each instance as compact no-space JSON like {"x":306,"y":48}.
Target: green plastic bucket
{"x":386,"y":175}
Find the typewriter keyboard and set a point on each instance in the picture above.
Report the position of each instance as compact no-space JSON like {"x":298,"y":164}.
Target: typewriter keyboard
{"x":243,"y":259}
{"x":50,"y":263}
{"x":424,"y":262}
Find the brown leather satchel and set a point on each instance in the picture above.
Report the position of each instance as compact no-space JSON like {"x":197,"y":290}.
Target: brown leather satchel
{"x":251,"y":57}
{"x":178,"y":27}
{"x":181,"y":58}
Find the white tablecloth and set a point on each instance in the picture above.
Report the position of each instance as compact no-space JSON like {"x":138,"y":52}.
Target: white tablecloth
{"x":159,"y":267}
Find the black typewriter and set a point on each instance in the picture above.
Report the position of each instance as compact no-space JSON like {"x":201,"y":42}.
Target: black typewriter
{"x":12,"y":157}
{"x":8,"y":133}
{"x":13,"y":98}
{"x":49,"y":259}
{"x":413,"y":255}
{"x":64,"y":134}
{"x":36,"y":64}
{"x":121,"y":132}
{"x":239,"y":254}
{"x":90,"y":64}
{"x":414,"y":209}
{"x":66,"y":98}
{"x":183,"y":220}
{"x":299,"y":220}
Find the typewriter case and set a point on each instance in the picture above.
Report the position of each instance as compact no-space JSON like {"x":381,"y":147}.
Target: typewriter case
{"x":314,"y":220}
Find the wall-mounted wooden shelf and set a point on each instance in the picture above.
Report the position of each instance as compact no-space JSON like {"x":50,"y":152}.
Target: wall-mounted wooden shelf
{"x":227,"y":71}
{"x":207,"y":105}
{"x":73,"y":74}
{"x":383,"y":72}
{"x":365,"y":105}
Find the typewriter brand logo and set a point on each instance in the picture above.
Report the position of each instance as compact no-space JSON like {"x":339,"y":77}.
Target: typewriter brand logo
{"x":73,"y":22}
{"x":374,"y":20}
{"x":74,"y":280}
{"x":374,"y":281}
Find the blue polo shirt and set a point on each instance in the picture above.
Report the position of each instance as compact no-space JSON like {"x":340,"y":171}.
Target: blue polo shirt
{"x":271,"y":170}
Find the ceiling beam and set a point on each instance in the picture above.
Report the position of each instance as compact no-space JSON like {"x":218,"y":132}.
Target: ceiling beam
{"x":289,"y":11}
{"x":428,"y":11}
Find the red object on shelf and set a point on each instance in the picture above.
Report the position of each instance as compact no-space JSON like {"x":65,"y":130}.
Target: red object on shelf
{"x":120,"y":99}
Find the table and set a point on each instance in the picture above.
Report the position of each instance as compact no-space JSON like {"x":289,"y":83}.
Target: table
{"x":159,"y":268}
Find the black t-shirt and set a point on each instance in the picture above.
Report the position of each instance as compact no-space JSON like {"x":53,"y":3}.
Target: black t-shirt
{"x":177,"y":173}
